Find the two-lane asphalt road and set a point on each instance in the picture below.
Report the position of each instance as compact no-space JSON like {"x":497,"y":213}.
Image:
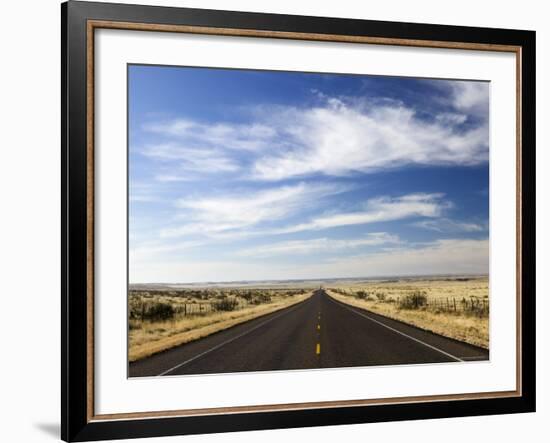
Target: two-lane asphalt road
{"x":317,"y":333}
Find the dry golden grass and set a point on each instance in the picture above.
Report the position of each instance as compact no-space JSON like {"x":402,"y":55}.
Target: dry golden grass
{"x":436,"y":288}
{"x":458,"y":325}
{"x":148,"y":338}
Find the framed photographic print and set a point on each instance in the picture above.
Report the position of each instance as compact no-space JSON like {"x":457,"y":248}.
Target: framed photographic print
{"x":277,"y":221}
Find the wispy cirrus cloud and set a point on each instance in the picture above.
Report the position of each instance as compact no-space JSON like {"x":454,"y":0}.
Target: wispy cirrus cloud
{"x":447,"y":225}
{"x":184,"y":159}
{"x":343,"y":138}
{"x":222,"y":213}
{"x":379,"y":209}
{"x":228,"y":216}
{"x":337,"y":137}
{"x":142,"y":192}
{"x":319,"y":245}
{"x":240,"y":136}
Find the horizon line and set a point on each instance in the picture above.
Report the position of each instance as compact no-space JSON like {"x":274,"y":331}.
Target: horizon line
{"x":480,"y":274}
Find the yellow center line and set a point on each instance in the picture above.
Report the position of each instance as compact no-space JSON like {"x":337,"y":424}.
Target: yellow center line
{"x":318,"y":347}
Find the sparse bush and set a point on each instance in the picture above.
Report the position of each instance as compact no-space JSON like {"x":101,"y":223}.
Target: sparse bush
{"x":159,"y":311}
{"x":147,"y":309}
{"x":225,"y":304}
{"x":414,"y":300}
{"x":247,"y":295}
{"x":261,"y":298}
{"x":293,"y":292}
{"x":381,"y":296}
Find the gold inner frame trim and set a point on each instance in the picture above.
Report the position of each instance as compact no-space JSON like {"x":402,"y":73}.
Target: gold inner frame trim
{"x":97,"y":24}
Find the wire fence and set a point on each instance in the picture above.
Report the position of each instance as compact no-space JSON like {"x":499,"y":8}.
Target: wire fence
{"x":156,"y":305}
{"x":204,"y":308}
{"x":195,"y":309}
{"x":463,"y":305}
{"x":155,"y":308}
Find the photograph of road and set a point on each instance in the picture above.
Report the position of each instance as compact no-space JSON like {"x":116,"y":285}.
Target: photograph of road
{"x":320,"y":332}
{"x":289,"y":220}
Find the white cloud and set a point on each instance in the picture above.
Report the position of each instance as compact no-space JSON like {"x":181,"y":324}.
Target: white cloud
{"x":250,"y":137}
{"x":141,"y":198}
{"x":228,"y":216}
{"x":172,"y":177}
{"x":183,"y":160}
{"x":318,"y":245}
{"x":140,"y":192}
{"x":230,"y":212}
{"x":447,"y":225}
{"x":471,"y":96}
{"x":451,"y":118}
{"x":379,"y":209}
{"x":345,"y":138}
{"x":339,"y":137}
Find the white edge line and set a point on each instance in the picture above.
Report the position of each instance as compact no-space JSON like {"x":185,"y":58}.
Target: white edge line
{"x":230,"y":340}
{"x":397,"y":331}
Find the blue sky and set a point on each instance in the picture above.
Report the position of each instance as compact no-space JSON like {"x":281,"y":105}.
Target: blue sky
{"x":255,"y":175}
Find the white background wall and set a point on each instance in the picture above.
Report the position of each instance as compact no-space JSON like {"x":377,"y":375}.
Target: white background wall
{"x":30,"y":207}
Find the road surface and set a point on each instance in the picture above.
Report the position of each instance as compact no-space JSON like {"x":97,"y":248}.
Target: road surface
{"x":317,"y":333}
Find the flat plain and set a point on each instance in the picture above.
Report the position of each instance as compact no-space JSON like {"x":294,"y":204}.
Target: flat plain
{"x":318,"y":332}
{"x":170,"y":322}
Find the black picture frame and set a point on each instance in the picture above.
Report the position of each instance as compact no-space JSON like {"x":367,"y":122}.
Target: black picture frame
{"x":77,"y":424}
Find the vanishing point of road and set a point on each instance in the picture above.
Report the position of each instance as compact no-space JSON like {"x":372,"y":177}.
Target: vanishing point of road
{"x":317,"y":333}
